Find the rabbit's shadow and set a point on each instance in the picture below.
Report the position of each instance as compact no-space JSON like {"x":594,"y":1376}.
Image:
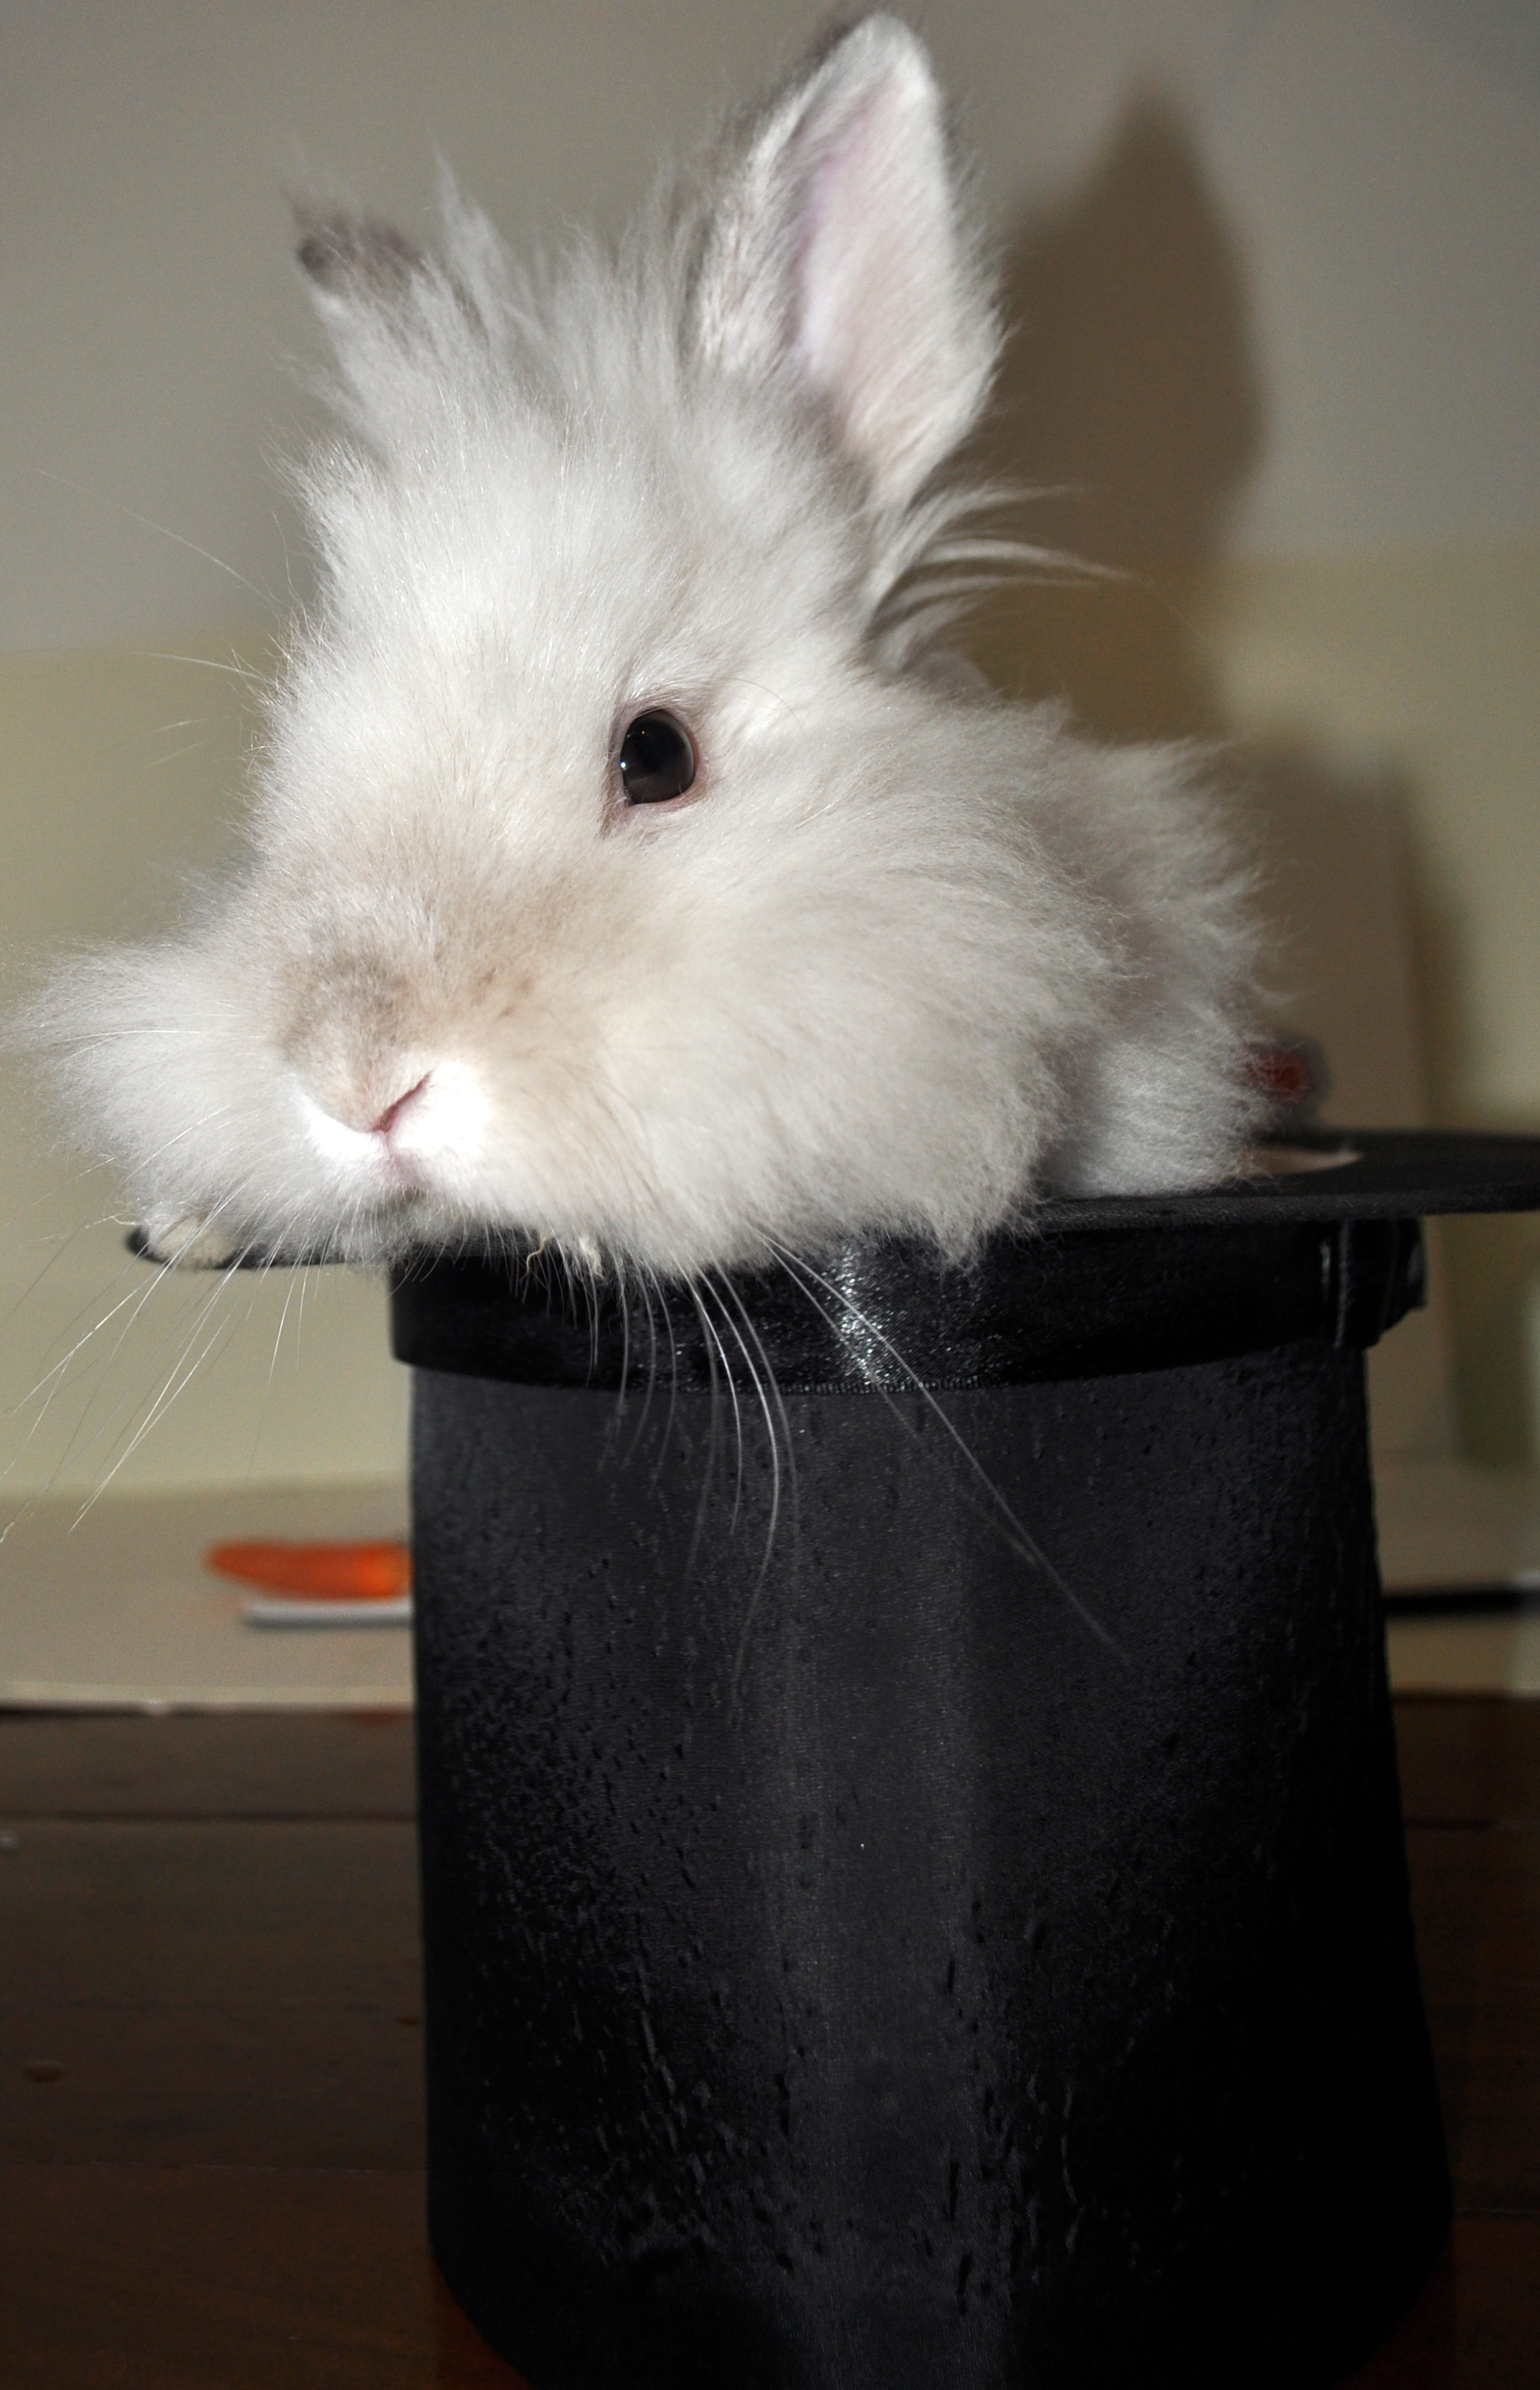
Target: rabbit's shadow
{"x":1132,"y":397}
{"x":1129,"y":398}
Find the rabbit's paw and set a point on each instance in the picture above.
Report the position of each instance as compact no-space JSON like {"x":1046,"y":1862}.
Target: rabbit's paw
{"x":189,"y":1242}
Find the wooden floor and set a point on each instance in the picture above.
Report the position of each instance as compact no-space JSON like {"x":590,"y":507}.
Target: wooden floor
{"x":210,"y":2130}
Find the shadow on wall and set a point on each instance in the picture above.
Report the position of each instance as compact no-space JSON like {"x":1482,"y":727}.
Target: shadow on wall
{"x":1131,"y":400}
{"x":1129,"y":397}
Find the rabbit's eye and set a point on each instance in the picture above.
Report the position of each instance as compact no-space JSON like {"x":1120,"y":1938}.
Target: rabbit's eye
{"x":657,"y":760}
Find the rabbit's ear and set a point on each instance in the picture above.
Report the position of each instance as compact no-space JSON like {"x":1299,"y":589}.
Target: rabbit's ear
{"x":359,"y":268}
{"x":838,"y":254}
{"x":396,"y":315}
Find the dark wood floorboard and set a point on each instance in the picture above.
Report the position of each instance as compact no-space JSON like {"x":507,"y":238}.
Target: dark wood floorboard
{"x":1477,"y":2324}
{"x":1476,"y":1902}
{"x":315,"y":1909}
{"x":200,"y":2278}
{"x":221,"y":1764}
{"x":226,"y":1993}
{"x":253,"y":2084}
{"x":210,"y":2123}
{"x":1470,"y":1761}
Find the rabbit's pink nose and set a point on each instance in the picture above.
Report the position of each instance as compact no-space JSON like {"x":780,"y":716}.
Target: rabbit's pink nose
{"x":385,"y":1122}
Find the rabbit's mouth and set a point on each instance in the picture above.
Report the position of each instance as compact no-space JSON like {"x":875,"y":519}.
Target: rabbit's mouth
{"x":406,"y":1143}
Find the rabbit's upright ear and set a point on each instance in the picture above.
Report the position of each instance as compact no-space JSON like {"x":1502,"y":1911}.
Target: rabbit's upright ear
{"x":838,"y":254}
{"x":359,"y":268}
{"x":397,"y":317}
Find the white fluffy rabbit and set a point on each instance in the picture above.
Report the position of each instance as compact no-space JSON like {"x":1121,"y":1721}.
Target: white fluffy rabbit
{"x":621,"y":870}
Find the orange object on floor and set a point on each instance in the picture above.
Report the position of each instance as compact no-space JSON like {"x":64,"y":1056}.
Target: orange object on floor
{"x":318,"y":1572}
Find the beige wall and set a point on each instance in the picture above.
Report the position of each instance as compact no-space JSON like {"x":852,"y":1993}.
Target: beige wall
{"x":1276,"y":269}
{"x":1427,"y":658}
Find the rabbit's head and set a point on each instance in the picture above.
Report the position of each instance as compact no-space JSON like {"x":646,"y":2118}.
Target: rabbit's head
{"x":614,"y":877}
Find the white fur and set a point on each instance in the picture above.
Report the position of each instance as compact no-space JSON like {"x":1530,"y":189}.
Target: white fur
{"x":905,"y":959}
